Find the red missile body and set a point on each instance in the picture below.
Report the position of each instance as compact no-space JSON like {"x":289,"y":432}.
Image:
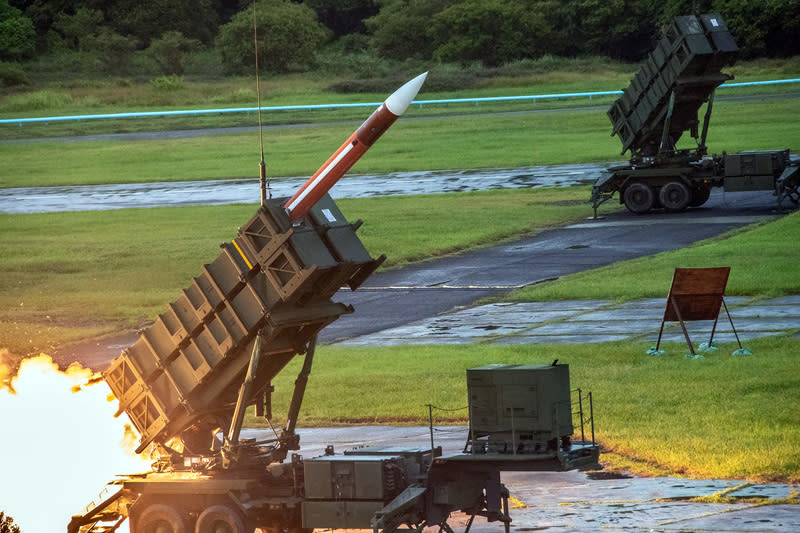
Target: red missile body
{"x":353,"y":148}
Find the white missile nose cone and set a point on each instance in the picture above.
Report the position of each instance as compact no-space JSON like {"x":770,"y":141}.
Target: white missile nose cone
{"x":399,"y":100}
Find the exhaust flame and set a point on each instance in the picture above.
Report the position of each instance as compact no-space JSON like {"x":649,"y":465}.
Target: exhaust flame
{"x":60,"y":442}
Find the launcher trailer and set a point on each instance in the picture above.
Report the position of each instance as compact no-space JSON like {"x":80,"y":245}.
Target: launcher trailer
{"x":662,"y":103}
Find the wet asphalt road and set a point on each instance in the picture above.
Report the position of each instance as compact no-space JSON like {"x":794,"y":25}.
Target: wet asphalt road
{"x":220,"y":192}
{"x":397,"y":297}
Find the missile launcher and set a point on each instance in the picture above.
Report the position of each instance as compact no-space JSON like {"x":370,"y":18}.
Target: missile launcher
{"x":661,"y":104}
{"x":185,"y":384}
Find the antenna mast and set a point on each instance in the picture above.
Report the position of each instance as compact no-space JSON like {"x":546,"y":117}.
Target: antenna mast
{"x":262,"y":168}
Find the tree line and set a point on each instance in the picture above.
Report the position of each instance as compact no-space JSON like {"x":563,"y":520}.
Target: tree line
{"x":291,"y":33}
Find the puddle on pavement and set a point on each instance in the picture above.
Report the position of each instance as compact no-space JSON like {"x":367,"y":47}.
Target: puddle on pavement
{"x":600,"y":475}
{"x":218,"y":192}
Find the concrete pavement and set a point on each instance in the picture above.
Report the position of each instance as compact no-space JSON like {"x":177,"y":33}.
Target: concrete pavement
{"x":579,"y":502}
{"x":588,"y":321}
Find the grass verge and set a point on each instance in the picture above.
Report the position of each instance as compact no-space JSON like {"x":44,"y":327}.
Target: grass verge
{"x":723,"y":416}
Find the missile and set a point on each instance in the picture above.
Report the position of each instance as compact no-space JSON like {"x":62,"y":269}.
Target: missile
{"x":353,"y":148}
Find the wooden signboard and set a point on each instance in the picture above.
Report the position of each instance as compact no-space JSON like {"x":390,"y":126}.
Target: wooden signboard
{"x":696,"y":294}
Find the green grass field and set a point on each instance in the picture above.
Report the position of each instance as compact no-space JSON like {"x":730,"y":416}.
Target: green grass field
{"x":466,"y":141}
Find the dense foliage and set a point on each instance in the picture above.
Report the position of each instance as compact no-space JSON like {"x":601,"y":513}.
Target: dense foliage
{"x":16,"y":33}
{"x":154,"y":37}
{"x":288,"y":34}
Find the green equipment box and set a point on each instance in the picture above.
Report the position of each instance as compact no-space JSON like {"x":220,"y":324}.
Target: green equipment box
{"x":346,"y":491}
{"x":754,"y":171}
{"x":519,"y":407}
{"x":353,"y":477}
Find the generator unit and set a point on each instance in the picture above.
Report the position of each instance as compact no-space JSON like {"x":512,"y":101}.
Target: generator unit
{"x":519,"y":408}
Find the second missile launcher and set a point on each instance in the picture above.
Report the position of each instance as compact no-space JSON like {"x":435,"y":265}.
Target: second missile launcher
{"x":661,"y":105}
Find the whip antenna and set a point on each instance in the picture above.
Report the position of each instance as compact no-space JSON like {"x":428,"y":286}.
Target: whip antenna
{"x":262,"y":167}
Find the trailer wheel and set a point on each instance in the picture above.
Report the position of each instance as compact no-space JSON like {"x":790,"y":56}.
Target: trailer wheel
{"x":221,"y":519}
{"x":675,"y":196}
{"x":160,"y":518}
{"x":638,"y":198}
{"x":700,"y":195}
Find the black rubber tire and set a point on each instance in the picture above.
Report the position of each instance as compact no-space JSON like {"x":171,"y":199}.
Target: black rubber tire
{"x":638,"y":198}
{"x":792,"y":191}
{"x":700,"y":195}
{"x":160,"y":518}
{"x":675,"y":196}
{"x":222,"y":519}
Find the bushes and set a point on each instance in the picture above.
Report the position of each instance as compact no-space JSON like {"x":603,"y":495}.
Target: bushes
{"x":12,"y":74}
{"x":167,"y":83}
{"x":17,"y":35}
{"x":288,"y":35}
{"x":114,"y":51}
{"x":36,"y":100}
{"x":170,"y":50}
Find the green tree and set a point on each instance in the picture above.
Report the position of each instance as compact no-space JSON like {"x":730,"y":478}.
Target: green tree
{"x":562,"y":27}
{"x":622,"y":29}
{"x":169,"y":51}
{"x":7,"y":524}
{"x":669,"y":9}
{"x":343,"y":17}
{"x":17,"y":34}
{"x":149,"y":19}
{"x":44,"y":12}
{"x":400,"y":29}
{"x":78,"y":29}
{"x":288,"y":36}
{"x":114,"y":51}
{"x":492,"y":31}
{"x":766,"y":28}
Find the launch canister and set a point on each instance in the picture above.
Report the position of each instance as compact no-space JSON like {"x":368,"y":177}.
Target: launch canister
{"x":353,"y":148}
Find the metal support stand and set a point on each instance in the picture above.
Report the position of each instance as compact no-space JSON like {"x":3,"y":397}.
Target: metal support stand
{"x":696,"y":294}
{"x":244,"y":394}
{"x":469,"y":523}
{"x":735,"y":334}
{"x":677,"y":312}
{"x":444,"y":526}
{"x":506,"y":517}
{"x":430,"y":421}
